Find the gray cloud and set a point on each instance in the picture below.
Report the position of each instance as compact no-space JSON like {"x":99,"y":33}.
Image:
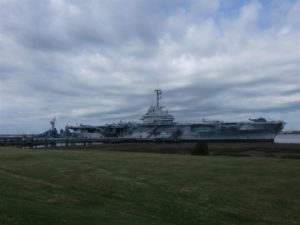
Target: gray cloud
{"x":99,"y":62}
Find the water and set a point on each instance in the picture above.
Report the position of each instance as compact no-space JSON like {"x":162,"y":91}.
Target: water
{"x":288,"y":138}
{"x":70,"y":144}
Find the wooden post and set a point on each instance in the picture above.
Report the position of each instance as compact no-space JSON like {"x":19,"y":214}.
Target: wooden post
{"x":53,"y":143}
{"x":31,"y":142}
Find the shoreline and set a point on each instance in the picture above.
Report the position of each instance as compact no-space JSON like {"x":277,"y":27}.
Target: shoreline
{"x":240,"y":149}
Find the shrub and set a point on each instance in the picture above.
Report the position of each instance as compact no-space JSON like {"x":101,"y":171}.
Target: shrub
{"x":200,"y":148}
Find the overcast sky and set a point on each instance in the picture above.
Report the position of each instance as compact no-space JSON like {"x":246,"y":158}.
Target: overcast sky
{"x":94,"y":62}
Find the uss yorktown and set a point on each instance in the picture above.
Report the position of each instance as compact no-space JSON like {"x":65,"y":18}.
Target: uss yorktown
{"x":159,"y":125}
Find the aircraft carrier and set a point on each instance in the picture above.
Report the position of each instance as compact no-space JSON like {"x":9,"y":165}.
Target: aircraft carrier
{"x":159,"y":125}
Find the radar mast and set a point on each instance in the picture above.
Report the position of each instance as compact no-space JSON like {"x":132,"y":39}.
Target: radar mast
{"x":158,"y":96}
{"x":52,"y":122}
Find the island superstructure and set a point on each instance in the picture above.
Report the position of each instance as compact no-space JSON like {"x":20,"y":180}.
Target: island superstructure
{"x":159,"y":125}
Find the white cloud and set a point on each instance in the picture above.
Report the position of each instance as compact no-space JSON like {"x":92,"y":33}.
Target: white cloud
{"x":293,"y":17}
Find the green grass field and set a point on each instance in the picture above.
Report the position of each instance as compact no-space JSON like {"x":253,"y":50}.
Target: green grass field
{"x":108,"y":187}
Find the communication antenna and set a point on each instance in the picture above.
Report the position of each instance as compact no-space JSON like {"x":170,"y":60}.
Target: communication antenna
{"x":52,"y":122}
{"x":158,"y":96}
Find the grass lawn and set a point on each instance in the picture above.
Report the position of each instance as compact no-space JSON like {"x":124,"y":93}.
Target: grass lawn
{"x":89,"y":187}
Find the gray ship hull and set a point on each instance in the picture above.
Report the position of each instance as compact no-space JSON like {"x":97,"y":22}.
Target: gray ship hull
{"x":158,"y":124}
{"x":244,"y":131}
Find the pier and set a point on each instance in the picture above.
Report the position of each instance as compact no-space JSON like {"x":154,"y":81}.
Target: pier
{"x":38,"y":142}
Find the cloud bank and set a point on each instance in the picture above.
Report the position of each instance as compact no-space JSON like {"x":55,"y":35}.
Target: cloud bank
{"x":95,"y":62}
